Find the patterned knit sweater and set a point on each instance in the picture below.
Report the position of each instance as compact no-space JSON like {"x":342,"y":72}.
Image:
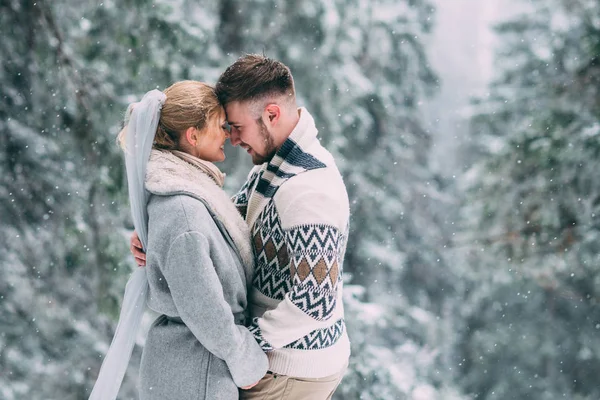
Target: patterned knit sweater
{"x":297,"y":208}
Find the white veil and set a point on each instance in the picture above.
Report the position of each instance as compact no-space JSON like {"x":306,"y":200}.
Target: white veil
{"x":141,"y":128}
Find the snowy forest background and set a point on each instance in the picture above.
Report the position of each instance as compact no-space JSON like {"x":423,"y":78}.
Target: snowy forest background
{"x":471,"y":157}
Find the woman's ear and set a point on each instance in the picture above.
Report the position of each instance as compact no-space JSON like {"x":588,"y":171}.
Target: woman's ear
{"x":191,"y":136}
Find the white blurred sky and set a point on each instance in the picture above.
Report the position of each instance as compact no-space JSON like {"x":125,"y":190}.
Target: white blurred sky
{"x":461,"y":51}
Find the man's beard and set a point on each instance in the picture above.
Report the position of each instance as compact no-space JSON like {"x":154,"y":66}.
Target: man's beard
{"x":270,"y":149}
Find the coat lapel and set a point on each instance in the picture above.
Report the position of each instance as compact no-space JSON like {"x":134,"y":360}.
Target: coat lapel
{"x":167,"y":175}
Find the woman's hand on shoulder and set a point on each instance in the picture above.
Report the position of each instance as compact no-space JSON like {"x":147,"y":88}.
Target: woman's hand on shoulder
{"x":137,"y":250}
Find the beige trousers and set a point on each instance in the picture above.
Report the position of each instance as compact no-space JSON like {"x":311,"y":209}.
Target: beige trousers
{"x":280,"y":387}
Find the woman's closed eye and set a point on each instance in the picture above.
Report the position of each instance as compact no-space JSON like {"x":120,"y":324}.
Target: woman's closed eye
{"x":226,"y":127}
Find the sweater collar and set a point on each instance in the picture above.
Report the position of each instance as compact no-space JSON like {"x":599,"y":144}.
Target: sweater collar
{"x":296,"y":155}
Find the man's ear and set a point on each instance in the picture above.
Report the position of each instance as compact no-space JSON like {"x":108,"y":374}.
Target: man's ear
{"x":272,"y":114}
{"x":191,"y":136}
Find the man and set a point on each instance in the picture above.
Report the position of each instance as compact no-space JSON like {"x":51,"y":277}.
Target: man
{"x":296,"y":205}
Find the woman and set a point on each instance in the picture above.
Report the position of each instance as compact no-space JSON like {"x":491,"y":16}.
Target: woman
{"x":199,"y":259}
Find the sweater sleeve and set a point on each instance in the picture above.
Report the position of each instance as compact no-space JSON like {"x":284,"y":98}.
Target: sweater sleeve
{"x":198,"y":296}
{"x":311,"y":221}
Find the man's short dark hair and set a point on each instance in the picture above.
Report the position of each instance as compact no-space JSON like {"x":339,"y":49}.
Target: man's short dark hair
{"x":254,"y":77}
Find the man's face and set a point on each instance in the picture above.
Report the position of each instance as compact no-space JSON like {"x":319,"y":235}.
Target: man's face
{"x":250,"y":134}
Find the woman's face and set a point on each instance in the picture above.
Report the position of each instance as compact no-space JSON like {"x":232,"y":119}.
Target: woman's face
{"x":212,"y":139}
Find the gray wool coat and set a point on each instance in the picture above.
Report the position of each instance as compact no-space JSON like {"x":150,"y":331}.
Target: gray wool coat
{"x":198,"y":272}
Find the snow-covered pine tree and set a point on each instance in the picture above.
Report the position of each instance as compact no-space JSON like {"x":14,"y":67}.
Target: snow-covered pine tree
{"x":532,"y":314}
{"x":56,"y":212}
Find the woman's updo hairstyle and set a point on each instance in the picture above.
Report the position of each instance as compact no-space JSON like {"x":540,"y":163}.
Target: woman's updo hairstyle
{"x":188,"y":104}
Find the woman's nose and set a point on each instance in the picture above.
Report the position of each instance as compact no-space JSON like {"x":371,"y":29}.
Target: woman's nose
{"x":234,"y":139}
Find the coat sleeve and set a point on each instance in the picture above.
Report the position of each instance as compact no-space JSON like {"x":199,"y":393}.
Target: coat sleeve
{"x":198,"y":296}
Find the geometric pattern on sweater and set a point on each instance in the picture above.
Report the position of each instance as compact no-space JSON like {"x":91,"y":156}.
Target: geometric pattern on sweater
{"x":271,"y":283}
{"x":315,"y":268}
{"x":293,"y":154}
{"x":319,"y":304}
{"x":272,"y":276}
{"x":240,"y":199}
{"x":320,"y":338}
{"x":289,"y":156}
{"x":257,"y":333}
{"x":315,"y":256}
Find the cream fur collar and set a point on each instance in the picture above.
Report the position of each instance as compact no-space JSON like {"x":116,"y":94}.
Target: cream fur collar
{"x":167,"y":174}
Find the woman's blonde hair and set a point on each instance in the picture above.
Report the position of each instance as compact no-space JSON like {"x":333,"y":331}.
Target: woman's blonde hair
{"x":188,"y":104}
